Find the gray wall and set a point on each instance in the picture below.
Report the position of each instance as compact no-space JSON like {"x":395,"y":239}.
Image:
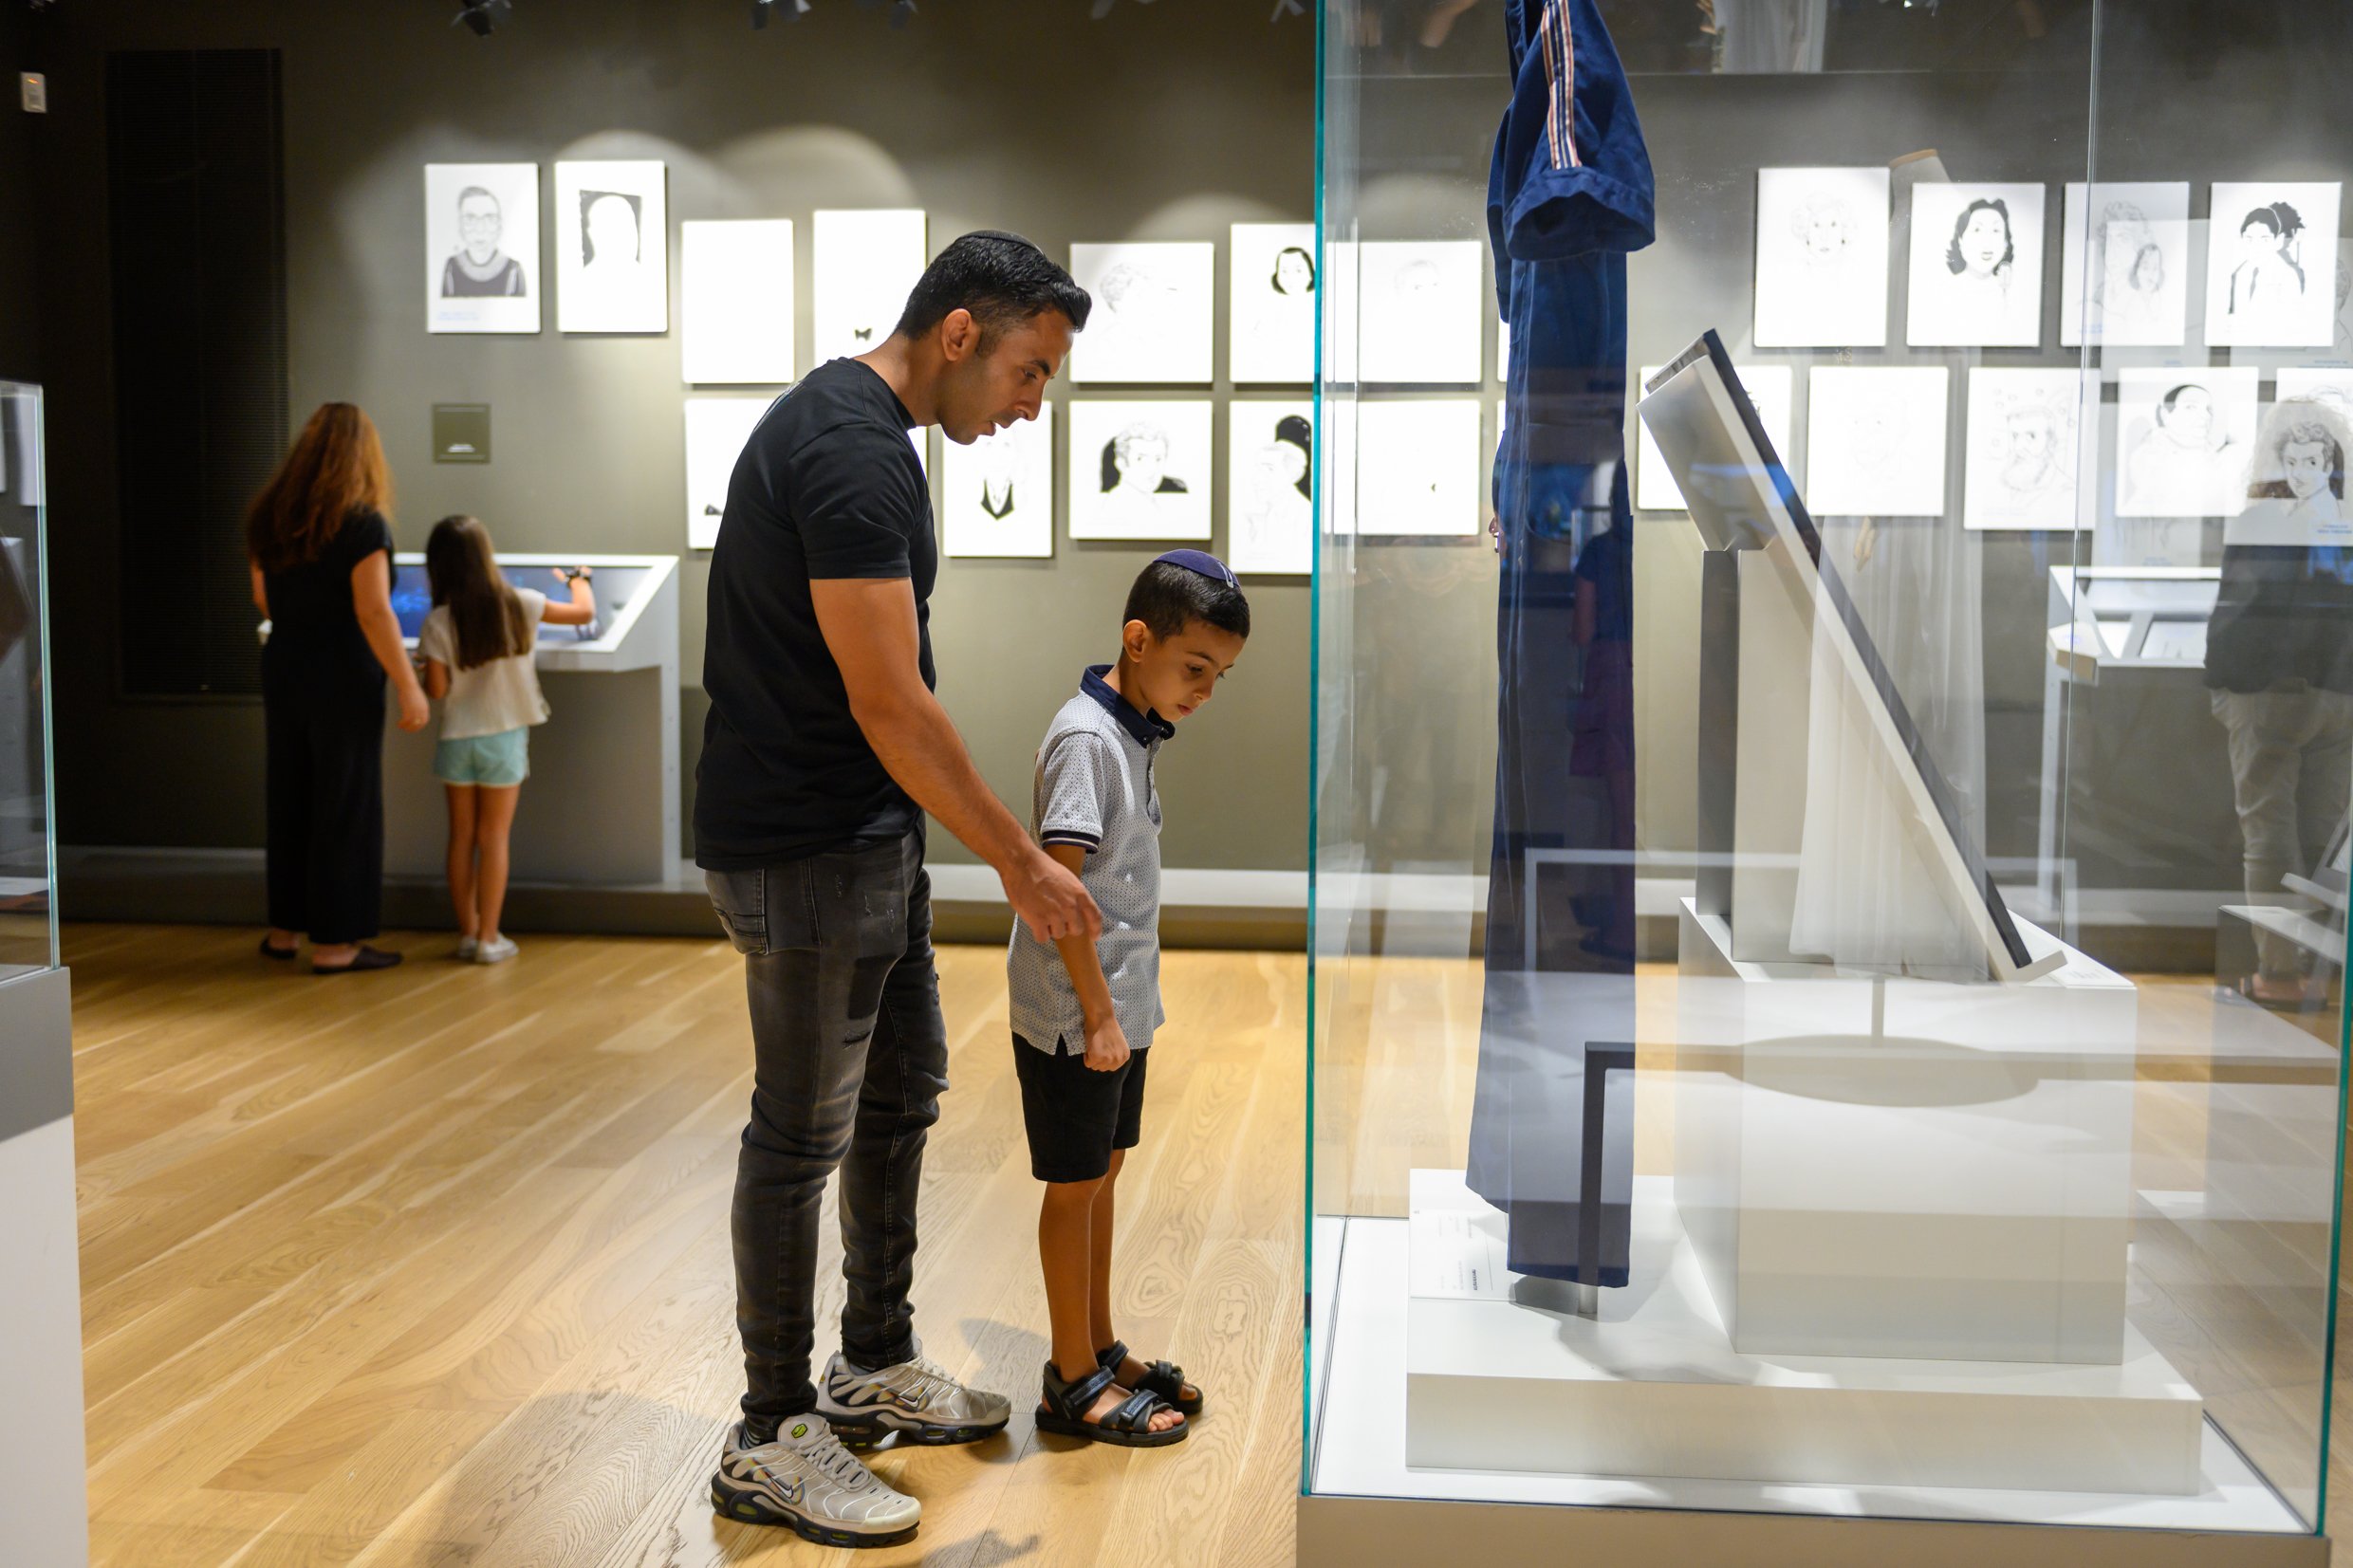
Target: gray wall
{"x":1166,"y":122}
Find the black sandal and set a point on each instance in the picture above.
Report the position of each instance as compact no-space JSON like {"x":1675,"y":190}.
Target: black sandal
{"x":1165,"y":1378}
{"x":366,"y":960}
{"x":1129,"y":1427}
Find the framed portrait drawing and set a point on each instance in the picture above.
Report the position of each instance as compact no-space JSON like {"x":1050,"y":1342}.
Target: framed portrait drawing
{"x":482,"y":268}
{"x":611,"y":247}
{"x":997,"y":494}
{"x":1152,"y":316}
{"x":1274,"y":297}
{"x":1270,"y":486}
{"x":866,"y":263}
{"x":1140,"y":469}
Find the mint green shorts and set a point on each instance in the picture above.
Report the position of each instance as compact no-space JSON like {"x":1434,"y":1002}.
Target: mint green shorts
{"x":497,"y":761}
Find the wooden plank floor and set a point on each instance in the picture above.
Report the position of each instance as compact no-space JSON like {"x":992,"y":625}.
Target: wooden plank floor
{"x":432,"y":1268}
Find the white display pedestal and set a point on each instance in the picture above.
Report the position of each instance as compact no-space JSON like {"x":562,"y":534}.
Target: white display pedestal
{"x":1655,"y":1386}
{"x":1905,"y":1168}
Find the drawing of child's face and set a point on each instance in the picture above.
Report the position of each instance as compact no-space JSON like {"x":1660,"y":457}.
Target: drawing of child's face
{"x":1417,"y":278}
{"x":2305,"y":464}
{"x":1875,"y":436}
{"x":478,"y":226}
{"x":1984,"y":242}
{"x":1292,"y":272}
{"x":2257,"y":240}
{"x":612,"y":231}
{"x":2148,"y":270}
{"x":1142,"y":460}
{"x":2190,"y":418}
{"x":1822,"y":230}
{"x":2029,"y":439}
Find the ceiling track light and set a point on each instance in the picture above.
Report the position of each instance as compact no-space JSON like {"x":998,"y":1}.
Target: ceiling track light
{"x":483,"y":17}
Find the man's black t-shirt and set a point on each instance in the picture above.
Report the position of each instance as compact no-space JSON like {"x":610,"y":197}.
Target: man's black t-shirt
{"x":828,"y":487}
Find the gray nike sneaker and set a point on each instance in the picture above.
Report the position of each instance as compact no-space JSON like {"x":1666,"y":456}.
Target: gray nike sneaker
{"x":805,"y":1479}
{"x":917,"y":1397}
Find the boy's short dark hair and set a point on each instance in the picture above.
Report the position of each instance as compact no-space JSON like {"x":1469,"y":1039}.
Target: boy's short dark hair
{"x":1001,"y":279}
{"x":1168,"y":597}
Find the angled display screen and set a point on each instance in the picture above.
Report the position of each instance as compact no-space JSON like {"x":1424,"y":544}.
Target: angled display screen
{"x":1741,"y":497}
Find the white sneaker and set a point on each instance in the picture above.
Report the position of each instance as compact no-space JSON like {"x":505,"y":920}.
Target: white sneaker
{"x":496,"y":950}
{"x":805,"y":1479}
{"x":917,"y":1397}
{"x":467,"y":947}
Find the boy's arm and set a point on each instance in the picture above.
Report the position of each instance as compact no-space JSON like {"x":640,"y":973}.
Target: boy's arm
{"x":1106,"y":1043}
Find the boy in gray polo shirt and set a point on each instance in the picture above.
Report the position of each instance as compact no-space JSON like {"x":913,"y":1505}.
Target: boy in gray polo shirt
{"x":1083,"y":1012}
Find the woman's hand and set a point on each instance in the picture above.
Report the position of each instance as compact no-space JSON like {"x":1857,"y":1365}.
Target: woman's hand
{"x":415,"y":711}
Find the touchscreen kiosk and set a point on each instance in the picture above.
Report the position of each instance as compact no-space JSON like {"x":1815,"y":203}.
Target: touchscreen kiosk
{"x":601,"y":805}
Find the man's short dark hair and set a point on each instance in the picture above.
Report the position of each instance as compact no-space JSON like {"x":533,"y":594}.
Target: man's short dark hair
{"x":1001,"y":279}
{"x":1168,"y":597}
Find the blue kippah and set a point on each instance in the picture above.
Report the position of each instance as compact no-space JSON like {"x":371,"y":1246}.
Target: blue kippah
{"x":1203,"y":563}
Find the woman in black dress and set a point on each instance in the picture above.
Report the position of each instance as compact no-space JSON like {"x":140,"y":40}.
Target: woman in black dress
{"x":321,"y":552}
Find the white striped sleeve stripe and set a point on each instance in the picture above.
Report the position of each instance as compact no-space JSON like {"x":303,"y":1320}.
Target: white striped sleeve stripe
{"x":1560,"y":55}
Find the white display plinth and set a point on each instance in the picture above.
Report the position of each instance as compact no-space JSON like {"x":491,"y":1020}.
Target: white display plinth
{"x":1905,"y":1168}
{"x":1654,"y":1386}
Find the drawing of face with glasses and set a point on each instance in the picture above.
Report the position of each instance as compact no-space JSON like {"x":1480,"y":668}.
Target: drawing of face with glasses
{"x":477,"y":267}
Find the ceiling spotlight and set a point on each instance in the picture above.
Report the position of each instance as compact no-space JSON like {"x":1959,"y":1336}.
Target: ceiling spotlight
{"x":483,"y":16}
{"x":794,"y":10}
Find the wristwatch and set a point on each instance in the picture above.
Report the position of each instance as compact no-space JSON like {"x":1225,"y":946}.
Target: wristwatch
{"x":579,"y":574}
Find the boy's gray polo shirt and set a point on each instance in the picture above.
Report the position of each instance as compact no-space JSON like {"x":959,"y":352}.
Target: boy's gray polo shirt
{"x":1094,"y":787}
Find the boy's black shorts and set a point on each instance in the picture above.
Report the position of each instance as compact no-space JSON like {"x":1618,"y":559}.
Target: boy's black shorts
{"x":1074,"y":1114}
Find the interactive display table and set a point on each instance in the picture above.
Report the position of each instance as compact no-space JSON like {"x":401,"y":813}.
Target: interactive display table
{"x":602,"y":803}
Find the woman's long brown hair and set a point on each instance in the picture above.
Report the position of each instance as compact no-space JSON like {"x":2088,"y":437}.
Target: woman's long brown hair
{"x":337,"y":468}
{"x":485,"y":613}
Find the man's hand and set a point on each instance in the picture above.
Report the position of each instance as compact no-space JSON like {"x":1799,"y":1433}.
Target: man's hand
{"x":1051,"y":901}
{"x":1107,"y":1045}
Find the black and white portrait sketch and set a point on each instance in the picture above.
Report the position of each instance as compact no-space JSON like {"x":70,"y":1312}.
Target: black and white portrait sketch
{"x":1420,"y":316}
{"x":1270,"y":477}
{"x":716,"y":429}
{"x":1418,"y":467}
{"x":865,"y":263}
{"x":612,"y":247}
{"x":1139,"y":471}
{"x":1874,"y":440}
{"x":2270,"y":249}
{"x":2124,"y":264}
{"x":735,"y":302}
{"x":2184,"y":441}
{"x":1976,"y":275}
{"x":1273,"y":277}
{"x":2025,"y":449}
{"x":1821,"y":258}
{"x":1771,"y":390}
{"x":997,"y":494}
{"x":2296,"y":481}
{"x":1153,"y":315}
{"x":481,"y":247}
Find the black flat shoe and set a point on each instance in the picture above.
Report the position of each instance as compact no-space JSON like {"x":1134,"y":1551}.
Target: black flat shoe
{"x":270,"y":949}
{"x":366,"y":958}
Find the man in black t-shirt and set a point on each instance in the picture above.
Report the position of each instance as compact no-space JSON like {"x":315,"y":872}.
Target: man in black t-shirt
{"x":822,"y":752}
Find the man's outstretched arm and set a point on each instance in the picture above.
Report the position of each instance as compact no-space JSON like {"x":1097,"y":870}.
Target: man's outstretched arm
{"x":869,"y":626}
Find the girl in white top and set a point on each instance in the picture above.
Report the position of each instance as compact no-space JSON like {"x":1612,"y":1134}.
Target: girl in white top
{"x":476,"y":646}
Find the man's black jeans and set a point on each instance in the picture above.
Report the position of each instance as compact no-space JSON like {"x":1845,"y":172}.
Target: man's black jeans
{"x":850,"y":1057}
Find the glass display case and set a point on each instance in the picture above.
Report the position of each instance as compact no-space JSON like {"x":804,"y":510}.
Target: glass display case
{"x":1834,"y":713}
{"x":27,"y":859}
